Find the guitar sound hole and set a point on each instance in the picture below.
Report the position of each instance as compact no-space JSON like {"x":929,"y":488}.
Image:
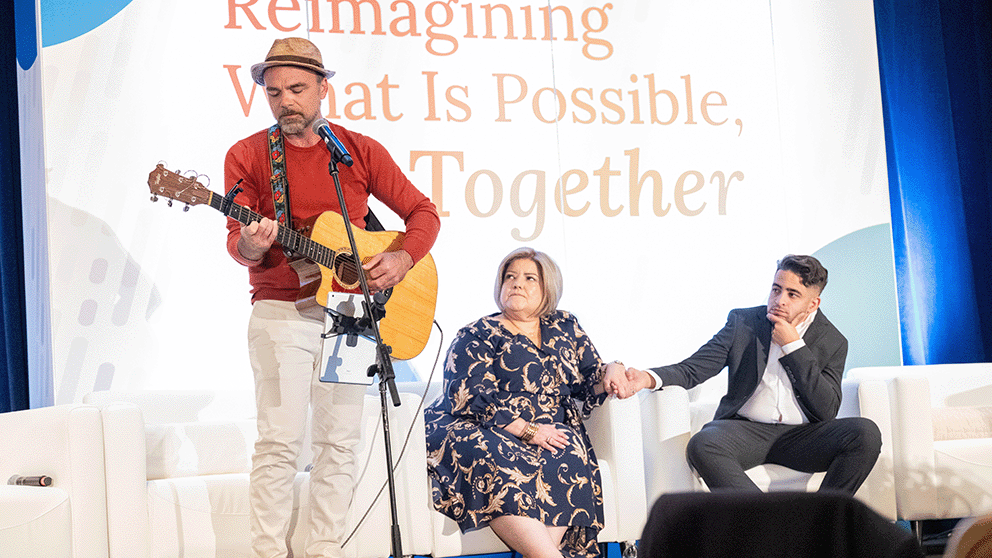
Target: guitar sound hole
{"x":344,"y":270}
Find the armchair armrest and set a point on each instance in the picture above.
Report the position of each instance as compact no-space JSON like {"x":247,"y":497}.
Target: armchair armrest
{"x":912,"y":424}
{"x":128,"y":527}
{"x":66,"y":443}
{"x":615,"y":432}
{"x":666,"y":430}
{"x":869,"y":398}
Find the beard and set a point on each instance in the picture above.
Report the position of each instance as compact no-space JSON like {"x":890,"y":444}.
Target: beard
{"x":294,"y":123}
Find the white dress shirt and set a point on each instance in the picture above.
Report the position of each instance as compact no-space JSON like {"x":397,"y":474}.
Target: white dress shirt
{"x":774,"y":400}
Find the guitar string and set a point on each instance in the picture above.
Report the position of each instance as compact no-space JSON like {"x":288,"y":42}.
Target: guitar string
{"x":297,"y":242}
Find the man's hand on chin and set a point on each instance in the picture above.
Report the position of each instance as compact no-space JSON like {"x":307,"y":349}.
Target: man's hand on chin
{"x":784,"y":331}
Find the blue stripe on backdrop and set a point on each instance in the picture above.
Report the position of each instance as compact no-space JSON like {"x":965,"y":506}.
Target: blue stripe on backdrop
{"x":34,"y":206}
{"x":931,"y":197}
{"x":26,"y":33}
{"x":13,"y":329}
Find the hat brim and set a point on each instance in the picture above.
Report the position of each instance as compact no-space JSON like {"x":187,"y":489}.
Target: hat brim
{"x":258,"y":70}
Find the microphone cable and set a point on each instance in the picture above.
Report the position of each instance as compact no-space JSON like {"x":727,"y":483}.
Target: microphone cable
{"x":406,"y":441}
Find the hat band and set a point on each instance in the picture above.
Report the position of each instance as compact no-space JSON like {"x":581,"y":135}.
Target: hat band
{"x":298,"y":59}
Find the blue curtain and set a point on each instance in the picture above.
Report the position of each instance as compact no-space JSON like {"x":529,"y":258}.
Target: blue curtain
{"x":934,"y":63}
{"x":13,"y":329}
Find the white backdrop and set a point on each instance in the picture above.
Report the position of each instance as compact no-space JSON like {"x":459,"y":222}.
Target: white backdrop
{"x":697,"y":143}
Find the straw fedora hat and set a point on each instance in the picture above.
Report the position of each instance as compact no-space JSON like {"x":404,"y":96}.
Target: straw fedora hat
{"x":292,"y":51}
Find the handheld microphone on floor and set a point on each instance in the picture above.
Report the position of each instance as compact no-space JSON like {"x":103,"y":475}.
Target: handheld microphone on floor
{"x":42,"y":480}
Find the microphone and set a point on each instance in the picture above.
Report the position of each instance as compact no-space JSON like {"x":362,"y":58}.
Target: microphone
{"x":42,"y":480}
{"x":323,"y":129}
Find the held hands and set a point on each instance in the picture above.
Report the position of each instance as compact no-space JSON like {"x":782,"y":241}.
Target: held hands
{"x":784,"y":331}
{"x":387,"y":269}
{"x":639,"y":379}
{"x":615,"y":381}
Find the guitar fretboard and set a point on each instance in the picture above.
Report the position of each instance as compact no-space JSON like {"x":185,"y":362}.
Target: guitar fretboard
{"x":286,"y":236}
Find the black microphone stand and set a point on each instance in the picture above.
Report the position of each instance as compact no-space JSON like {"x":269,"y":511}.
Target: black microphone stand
{"x":383,"y":365}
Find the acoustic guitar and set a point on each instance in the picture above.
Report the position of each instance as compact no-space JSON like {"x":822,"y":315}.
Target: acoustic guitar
{"x":323,"y":260}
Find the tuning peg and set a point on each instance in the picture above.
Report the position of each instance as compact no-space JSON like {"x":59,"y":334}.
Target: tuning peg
{"x":186,"y":208}
{"x":154,"y":198}
{"x":169,"y":203}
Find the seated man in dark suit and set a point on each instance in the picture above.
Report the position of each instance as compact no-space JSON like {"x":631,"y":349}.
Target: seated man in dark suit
{"x":785,"y":362}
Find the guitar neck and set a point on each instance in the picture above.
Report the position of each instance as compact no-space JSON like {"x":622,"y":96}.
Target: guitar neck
{"x":286,"y":236}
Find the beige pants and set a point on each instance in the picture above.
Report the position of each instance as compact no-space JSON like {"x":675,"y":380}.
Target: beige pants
{"x":284,"y":348}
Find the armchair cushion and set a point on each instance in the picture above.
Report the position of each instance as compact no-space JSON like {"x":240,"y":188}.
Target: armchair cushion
{"x":35,"y":522}
{"x":199,"y":515}
{"x":972,"y":453}
{"x":959,"y":423}
{"x":190,"y":449}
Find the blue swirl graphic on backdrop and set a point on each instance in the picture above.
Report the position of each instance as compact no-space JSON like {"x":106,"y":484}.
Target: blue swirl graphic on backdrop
{"x":860,"y":298}
{"x":62,"y":20}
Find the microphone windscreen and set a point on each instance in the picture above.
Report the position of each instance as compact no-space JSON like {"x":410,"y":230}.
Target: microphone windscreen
{"x":318,"y":124}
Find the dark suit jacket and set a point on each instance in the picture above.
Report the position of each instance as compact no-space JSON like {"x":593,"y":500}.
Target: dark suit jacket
{"x":742,"y":347}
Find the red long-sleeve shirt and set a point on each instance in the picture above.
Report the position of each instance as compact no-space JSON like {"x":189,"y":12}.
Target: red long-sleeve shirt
{"x":311,"y":192}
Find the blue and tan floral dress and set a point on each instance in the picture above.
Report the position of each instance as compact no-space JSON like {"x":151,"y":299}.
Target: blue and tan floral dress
{"x":479,"y":470}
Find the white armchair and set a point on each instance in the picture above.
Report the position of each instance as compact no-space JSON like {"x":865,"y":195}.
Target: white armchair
{"x":670,"y":419}
{"x":179,"y":462}
{"x":942,"y":437}
{"x":68,"y":518}
{"x":615,"y":432}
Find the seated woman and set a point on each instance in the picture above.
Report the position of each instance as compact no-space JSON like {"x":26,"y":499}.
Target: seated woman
{"x":506,"y":445}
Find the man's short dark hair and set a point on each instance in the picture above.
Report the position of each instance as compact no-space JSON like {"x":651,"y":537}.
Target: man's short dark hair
{"x":809,"y":269}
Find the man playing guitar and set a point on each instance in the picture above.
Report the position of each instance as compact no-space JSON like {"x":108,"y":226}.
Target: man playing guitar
{"x":283,"y":172}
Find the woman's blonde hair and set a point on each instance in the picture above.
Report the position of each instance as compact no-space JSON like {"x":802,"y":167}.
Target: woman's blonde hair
{"x":547,"y":269}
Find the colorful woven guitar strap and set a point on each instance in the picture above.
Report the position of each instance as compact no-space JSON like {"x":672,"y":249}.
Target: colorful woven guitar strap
{"x":280,"y":185}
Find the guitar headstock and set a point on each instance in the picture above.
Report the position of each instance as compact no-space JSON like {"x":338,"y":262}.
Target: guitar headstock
{"x":172,"y":185}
